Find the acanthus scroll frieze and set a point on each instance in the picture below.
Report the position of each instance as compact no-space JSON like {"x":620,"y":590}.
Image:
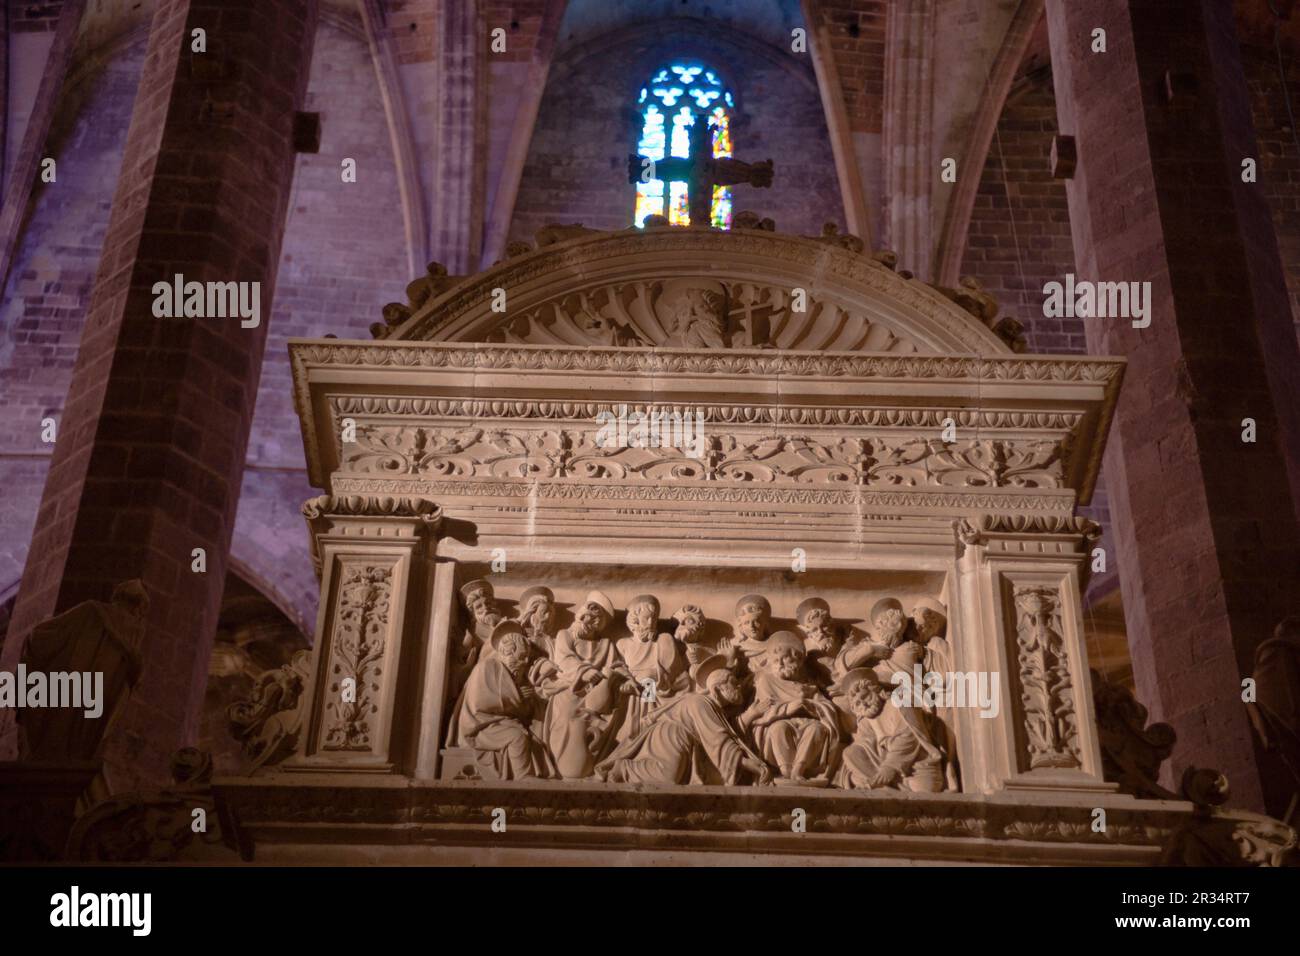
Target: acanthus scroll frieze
{"x":468,"y":452}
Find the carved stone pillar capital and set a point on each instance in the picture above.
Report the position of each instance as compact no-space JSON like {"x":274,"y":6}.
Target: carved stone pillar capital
{"x":370,"y":516}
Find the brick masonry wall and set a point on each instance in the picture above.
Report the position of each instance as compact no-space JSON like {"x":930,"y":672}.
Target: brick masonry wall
{"x":576,"y":169}
{"x":1019,"y":239}
{"x":343,"y":257}
{"x":33,"y":16}
{"x":857,"y":31}
{"x":45,"y":301}
{"x":1279,"y":158}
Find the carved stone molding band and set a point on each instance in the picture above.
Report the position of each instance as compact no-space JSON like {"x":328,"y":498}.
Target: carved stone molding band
{"x":614,"y":491}
{"x":474,"y":452}
{"x":372,"y":506}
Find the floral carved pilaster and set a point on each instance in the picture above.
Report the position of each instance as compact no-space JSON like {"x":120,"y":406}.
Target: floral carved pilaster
{"x":357,"y":649}
{"x":374,"y":554}
{"x":1020,"y":577}
{"x":1046,"y":693}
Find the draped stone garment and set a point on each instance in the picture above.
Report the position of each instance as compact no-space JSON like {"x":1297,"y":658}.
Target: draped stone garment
{"x":791,"y":737}
{"x":661,"y":660}
{"x":582,"y":719}
{"x":687,"y":740}
{"x":900,"y":739}
{"x":495,"y":719}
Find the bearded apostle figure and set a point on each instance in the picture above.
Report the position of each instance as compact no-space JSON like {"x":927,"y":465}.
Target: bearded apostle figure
{"x":481,"y":608}
{"x":498,"y":708}
{"x":893,"y":747}
{"x":795,"y":725}
{"x":689,"y":739}
{"x":821,"y":638}
{"x":656,"y":662}
{"x":584,"y":715}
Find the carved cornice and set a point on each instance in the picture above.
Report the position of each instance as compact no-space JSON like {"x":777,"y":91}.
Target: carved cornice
{"x":763,"y":363}
{"x":719,"y":492}
{"x":750,"y":413}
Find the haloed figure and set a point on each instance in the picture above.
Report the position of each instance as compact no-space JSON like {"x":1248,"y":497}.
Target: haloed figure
{"x":498,"y":708}
{"x":794,"y":724}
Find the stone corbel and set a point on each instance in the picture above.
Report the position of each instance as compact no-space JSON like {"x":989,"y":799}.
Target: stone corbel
{"x":1020,"y":580}
{"x":373,"y":554}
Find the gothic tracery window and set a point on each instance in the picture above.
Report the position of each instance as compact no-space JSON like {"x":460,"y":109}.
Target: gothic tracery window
{"x":677,"y":97}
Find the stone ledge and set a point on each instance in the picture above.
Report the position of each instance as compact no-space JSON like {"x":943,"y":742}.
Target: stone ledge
{"x":316,"y":809}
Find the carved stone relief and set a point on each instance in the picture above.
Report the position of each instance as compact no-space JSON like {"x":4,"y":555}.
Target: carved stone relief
{"x":471,"y":452}
{"x":699,"y":313}
{"x":645,"y":704}
{"x":1045,"y":686}
{"x":356,"y":652}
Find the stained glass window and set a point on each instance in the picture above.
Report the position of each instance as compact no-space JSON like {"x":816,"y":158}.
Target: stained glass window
{"x":678,"y":96}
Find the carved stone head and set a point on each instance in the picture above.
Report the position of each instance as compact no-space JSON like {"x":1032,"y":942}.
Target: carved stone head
{"x":695,"y":312}
{"x":866,"y":695}
{"x":511,"y":647}
{"x":888,"y":621}
{"x":753,"y":615}
{"x":814,"y":617}
{"x":718,"y":681}
{"x":480,"y":600}
{"x":785,"y":655}
{"x":537,"y":611}
{"x":690,"y":623}
{"x":643,"y":616}
{"x":594,"y":616}
{"x":929,"y":618}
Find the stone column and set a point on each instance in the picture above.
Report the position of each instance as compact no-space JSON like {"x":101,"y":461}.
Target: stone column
{"x":374,"y":557}
{"x":151,"y":444}
{"x":1019,"y":586}
{"x":1205,"y":524}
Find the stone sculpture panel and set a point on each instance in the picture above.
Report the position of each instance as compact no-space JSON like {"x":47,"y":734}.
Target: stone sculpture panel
{"x":696,"y":701}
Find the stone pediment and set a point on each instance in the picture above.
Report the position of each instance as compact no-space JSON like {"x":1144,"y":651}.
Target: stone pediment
{"x":688,"y":288}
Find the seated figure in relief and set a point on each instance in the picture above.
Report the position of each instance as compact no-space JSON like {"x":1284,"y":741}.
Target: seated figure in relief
{"x":794,"y":725}
{"x":590,"y":684}
{"x":498,"y":708}
{"x":689,"y":739}
{"x":656,"y":662}
{"x":900,"y":748}
{"x":821,"y":638}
